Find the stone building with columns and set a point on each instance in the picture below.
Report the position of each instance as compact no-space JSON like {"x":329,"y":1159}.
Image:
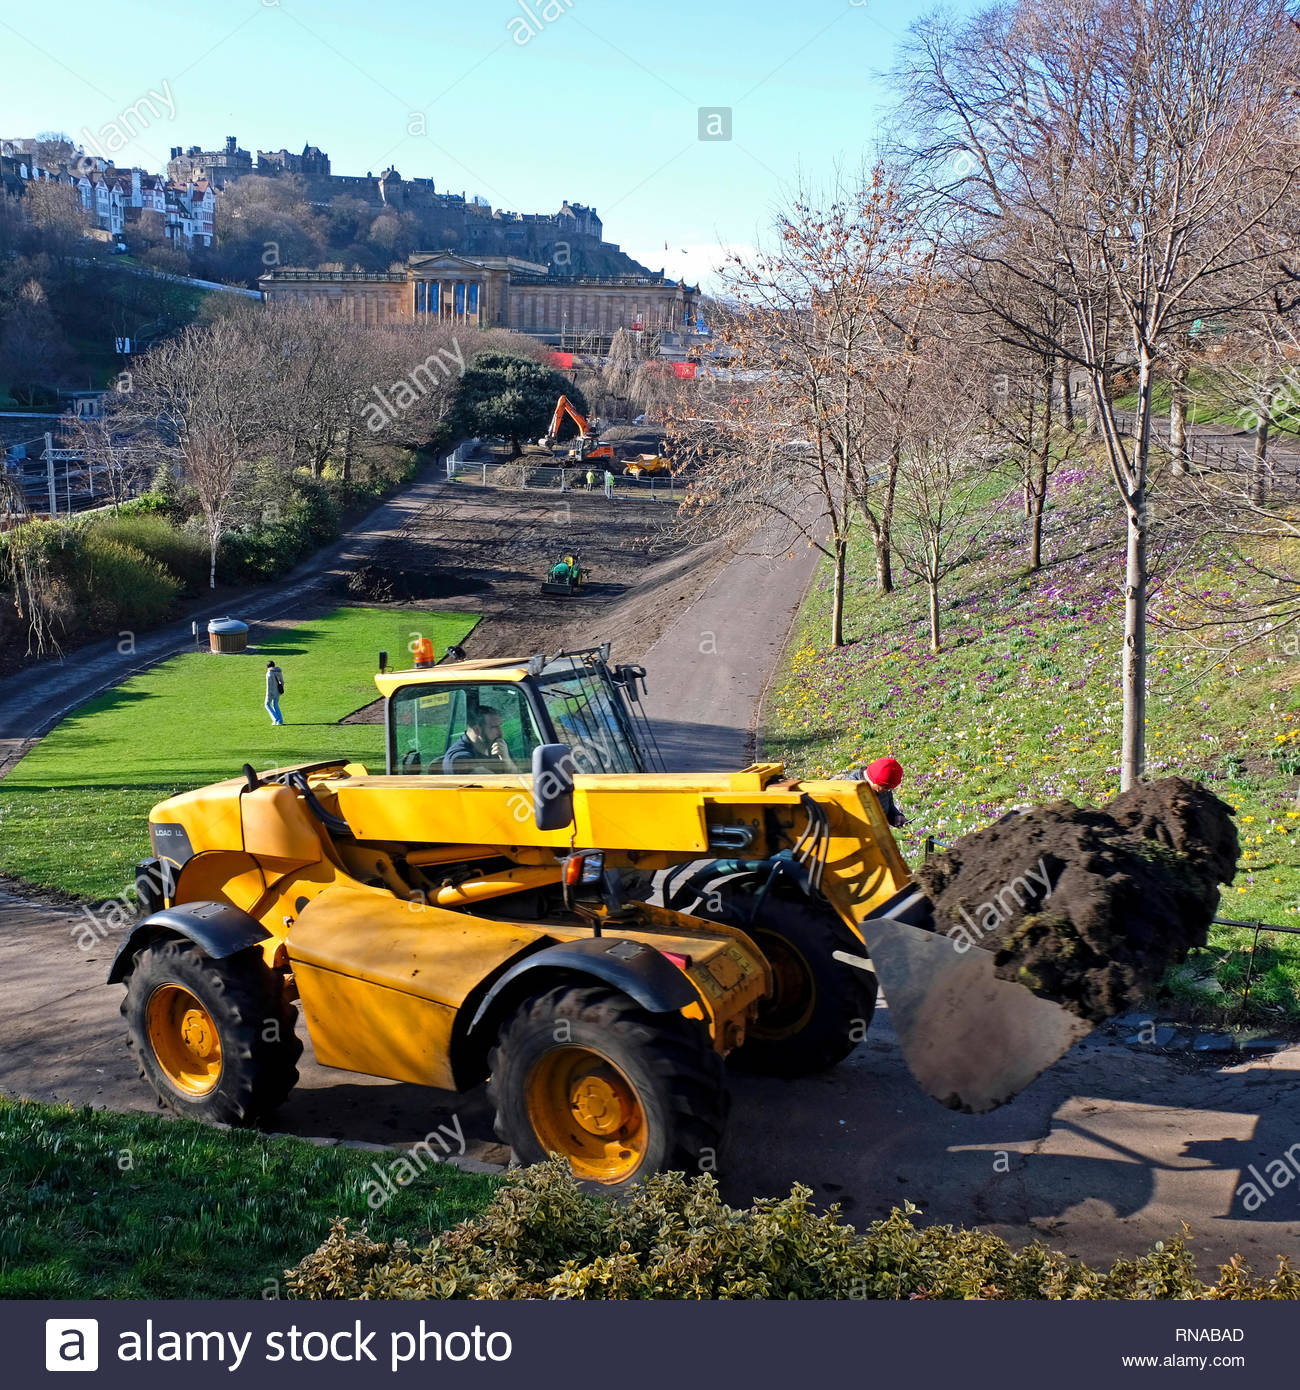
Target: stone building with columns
{"x":494,"y":292}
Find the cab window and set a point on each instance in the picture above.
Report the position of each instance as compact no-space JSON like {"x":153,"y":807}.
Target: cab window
{"x":472,"y":728}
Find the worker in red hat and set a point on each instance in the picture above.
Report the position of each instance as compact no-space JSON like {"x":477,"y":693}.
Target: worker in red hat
{"x":883,"y":776}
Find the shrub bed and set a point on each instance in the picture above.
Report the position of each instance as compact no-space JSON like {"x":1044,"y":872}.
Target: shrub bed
{"x":540,"y":1237}
{"x":83,"y":581}
{"x":118,"y":583}
{"x":181,"y":552}
{"x":104,"y":574}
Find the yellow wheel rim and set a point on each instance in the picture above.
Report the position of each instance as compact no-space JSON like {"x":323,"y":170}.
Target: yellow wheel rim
{"x":793,"y":1000}
{"x":184,"y":1039}
{"x":585,"y":1108}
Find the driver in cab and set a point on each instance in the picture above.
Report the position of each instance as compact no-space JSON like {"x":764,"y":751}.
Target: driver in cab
{"x":481,"y":748}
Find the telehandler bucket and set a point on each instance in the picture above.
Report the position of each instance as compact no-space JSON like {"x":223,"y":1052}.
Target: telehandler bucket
{"x":971,"y":1040}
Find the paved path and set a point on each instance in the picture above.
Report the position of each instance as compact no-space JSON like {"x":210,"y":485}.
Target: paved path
{"x":34,"y":700}
{"x":709,"y":671}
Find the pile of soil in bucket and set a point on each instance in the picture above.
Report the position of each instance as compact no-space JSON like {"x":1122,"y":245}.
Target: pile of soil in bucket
{"x":1088,"y":906}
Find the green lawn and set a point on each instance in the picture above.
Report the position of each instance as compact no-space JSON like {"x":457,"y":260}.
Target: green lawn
{"x":1023,"y":705}
{"x":98,"y":1205}
{"x":73,"y":813}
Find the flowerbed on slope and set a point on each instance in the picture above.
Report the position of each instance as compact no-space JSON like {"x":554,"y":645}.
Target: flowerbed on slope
{"x":1023,"y":703}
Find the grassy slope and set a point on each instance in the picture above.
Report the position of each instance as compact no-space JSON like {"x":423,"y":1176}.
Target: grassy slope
{"x":1023,"y":705}
{"x":73,"y":813}
{"x":97,"y":1205}
{"x":1208,"y":405}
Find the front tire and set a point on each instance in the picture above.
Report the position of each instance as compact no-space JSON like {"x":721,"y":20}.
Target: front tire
{"x":214,"y":1038}
{"x":820,"y":1008}
{"x":619,"y":1092}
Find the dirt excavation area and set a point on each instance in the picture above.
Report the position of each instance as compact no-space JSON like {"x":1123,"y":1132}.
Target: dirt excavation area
{"x":1088,"y":906}
{"x":487,"y":550}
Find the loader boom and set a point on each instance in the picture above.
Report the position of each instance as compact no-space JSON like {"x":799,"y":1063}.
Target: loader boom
{"x":565,"y":407}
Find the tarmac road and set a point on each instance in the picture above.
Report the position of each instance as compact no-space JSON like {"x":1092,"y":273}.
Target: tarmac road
{"x":709,"y":671}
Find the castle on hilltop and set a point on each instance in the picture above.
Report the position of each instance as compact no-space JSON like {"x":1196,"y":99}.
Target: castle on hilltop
{"x":571,"y":241}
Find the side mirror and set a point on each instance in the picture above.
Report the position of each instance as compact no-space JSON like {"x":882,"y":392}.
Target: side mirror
{"x":553,"y":786}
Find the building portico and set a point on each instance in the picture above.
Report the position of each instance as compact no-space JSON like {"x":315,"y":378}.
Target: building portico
{"x":494,"y":292}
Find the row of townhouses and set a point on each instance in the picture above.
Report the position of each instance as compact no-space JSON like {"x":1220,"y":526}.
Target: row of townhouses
{"x":119,"y":200}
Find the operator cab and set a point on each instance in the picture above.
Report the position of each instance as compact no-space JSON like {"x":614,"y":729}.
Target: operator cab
{"x":481,"y":718}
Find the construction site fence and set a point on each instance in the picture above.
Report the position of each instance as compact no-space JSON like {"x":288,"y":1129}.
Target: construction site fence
{"x":522,"y":476}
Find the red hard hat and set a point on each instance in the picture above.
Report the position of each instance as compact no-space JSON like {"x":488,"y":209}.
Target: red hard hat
{"x":885,"y":772}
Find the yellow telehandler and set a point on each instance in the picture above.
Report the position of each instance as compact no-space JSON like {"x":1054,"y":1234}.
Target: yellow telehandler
{"x":523,"y":895}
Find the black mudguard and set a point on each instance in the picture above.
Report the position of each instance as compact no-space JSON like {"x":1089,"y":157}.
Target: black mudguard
{"x":637,"y":969}
{"x":218,"y":929}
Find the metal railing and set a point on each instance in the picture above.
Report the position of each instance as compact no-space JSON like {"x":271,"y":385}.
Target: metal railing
{"x":1219,"y":451}
{"x":1256,"y":927}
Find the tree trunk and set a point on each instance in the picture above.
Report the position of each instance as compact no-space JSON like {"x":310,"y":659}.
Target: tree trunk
{"x":934,"y":614}
{"x":882,"y":531}
{"x":214,"y":541}
{"x":1041,"y":472}
{"x":1178,"y":418}
{"x":1036,"y":535}
{"x":1259,"y":488}
{"x":840,"y":555}
{"x":1133,"y":752}
{"x":1093,"y":410}
{"x":884,"y":562}
{"x":1067,"y":400}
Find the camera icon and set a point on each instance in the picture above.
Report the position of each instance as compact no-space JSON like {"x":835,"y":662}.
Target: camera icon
{"x":71,"y":1344}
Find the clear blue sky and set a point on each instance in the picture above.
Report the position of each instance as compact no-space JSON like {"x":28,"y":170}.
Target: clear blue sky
{"x":599,"y":104}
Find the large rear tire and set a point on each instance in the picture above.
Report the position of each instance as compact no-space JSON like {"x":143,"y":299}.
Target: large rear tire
{"x":214,"y":1038}
{"x":620,"y":1092}
{"x":820,"y":1008}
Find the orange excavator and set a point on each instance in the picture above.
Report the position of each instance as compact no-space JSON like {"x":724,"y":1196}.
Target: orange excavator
{"x":585,"y":447}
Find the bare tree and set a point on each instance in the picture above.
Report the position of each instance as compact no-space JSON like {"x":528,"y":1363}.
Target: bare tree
{"x":39,"y":597}
{"x":1019,"y":393}
{"x":109,"y":451}
{"x":621,"y":366}
{"x":1097,"y":149}
{"x":942,"y":509}
{"x":201,"y":393}
{"x":796,"y":442}
{"x":899,"y":324}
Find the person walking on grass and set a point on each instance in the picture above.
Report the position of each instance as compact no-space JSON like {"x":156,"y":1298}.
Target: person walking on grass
{"x":274,"y":689}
